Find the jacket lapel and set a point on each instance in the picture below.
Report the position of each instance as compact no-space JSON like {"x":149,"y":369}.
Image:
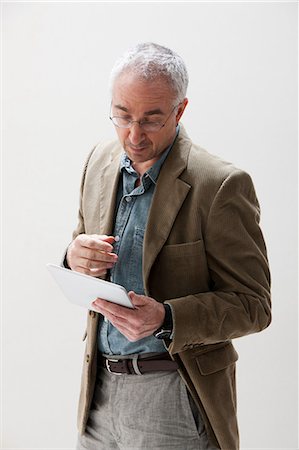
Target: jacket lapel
{"x":107,"y":193}
{"x":169,"y":196}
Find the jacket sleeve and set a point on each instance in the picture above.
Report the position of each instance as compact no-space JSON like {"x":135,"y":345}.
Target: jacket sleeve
{"x":80,"y":229}
{"x":238,"y":302}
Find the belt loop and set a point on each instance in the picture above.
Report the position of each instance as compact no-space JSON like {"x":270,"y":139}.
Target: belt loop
{"x":135,"y":365}
{"x":126,"y":366}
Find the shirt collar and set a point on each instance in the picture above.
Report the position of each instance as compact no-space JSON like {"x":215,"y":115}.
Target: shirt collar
{"x":152,"y":172}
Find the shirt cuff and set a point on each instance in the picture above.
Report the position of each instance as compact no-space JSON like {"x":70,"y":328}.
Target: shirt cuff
{"x":64,"y":262}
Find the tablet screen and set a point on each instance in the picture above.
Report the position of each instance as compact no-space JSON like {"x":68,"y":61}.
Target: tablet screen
{"x":83,"y":289}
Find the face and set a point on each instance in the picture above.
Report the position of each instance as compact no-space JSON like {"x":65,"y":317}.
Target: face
{"x":145,"y":101}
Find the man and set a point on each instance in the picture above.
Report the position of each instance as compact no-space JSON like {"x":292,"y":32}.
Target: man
{"x":179,"y":229}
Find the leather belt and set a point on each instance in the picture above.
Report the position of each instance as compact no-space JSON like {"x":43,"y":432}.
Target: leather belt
{"x":137,"y":366}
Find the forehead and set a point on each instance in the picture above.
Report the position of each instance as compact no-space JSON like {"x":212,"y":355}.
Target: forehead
{"x":138,"y":95}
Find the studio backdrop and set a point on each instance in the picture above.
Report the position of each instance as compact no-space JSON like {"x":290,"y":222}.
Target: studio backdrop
{"x":56,"y":60}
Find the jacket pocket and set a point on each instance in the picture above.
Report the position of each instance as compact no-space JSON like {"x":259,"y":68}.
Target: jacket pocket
{"x":183,"y":269}
{"x":216,"y":359}
{"x":184,"y":250}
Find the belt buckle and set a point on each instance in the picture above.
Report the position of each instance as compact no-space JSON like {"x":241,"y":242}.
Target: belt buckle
{"x":107,"y":361}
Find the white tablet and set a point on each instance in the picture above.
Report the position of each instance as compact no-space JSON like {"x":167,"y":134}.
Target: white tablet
{"x":83,"y":289}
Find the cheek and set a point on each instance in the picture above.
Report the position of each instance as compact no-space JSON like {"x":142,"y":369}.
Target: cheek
{"x":122,"y":134}
{"x":161,"y":142}
{"x":156,"y":145}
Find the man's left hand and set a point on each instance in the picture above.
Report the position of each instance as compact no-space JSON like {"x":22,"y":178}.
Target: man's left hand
{"x":137,"y":323}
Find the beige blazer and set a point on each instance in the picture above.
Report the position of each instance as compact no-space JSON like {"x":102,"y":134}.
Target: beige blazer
{"x":205,"y":255}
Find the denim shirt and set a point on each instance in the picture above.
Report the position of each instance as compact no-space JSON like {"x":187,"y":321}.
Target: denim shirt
{"x":133,"y":205}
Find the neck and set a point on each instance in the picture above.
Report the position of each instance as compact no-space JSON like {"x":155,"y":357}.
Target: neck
{"x":141,"y":168}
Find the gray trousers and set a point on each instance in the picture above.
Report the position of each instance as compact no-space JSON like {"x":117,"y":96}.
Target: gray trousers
{"x":145,"y":412}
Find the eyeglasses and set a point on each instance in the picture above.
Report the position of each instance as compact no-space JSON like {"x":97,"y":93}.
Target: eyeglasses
{"x":145,"y":125}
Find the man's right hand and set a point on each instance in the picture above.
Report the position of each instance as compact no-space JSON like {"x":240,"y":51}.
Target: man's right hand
{"x":91,"y":254}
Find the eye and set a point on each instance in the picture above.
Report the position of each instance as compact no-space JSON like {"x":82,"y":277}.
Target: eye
{"x":125,"y":117}
{"x":121,"y":121}
{"x":152,"y":119}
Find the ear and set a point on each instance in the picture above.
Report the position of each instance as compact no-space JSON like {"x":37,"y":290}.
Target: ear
{"x":181,"y":109}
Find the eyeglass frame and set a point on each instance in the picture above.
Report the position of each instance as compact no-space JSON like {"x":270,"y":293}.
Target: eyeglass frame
{"x":140,"y":121}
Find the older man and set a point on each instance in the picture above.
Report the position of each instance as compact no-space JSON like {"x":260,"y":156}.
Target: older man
{"x":179,"y":229}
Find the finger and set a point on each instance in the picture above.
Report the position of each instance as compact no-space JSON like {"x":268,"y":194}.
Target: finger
{"x":133,"y":329}
{"x":131,"y":333}
{"x":90,"y":264}
{"x":116,"y":321}
{"x":91,"y":272}
{"x":112,"y":308}
{"x":95,"y":243}
{"x":138,"y":300}
{"x":131,"y":336}
{"x":98,"y":255}
{"x":102,"y":237}
{"x":121,"y":315}
{"x":110,"y":239}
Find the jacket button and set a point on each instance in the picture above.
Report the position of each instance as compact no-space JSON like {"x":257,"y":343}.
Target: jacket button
{"x":87,"y":358}
{"x":92,"y":314}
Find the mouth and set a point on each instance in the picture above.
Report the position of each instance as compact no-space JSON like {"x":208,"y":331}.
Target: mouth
{"x":137,"y":149}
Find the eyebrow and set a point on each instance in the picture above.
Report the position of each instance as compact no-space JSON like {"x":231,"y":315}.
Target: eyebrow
{"x":147,"y":113}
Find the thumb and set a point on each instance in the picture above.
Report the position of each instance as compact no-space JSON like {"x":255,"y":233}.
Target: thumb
{"x":136,"y":299}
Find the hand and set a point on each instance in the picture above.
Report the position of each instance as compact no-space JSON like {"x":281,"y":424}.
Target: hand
{"x":137,"y":323}
{"x":91,"y":254}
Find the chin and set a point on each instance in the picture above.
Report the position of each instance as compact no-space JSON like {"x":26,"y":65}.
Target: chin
{"x":140,"y":155}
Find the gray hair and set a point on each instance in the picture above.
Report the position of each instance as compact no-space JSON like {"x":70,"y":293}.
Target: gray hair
{"x":149,"y":61}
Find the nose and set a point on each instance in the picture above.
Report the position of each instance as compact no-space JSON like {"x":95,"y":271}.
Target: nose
{"x":136,"y":133}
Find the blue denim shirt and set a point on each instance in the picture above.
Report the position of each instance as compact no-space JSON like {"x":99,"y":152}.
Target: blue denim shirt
{"x":133,"y":205}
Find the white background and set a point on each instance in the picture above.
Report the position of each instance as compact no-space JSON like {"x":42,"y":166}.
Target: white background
{"x":242,"y":61}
